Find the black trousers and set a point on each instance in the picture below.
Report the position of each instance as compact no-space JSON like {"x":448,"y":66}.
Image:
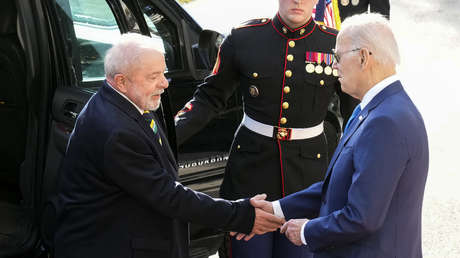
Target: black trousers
{"x":260,"y":164}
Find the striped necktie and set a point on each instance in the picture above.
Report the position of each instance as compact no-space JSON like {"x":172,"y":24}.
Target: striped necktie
{"x":148,"y":116}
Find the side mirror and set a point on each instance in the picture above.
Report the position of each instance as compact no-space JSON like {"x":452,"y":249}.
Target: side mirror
{"x":208,"y":47}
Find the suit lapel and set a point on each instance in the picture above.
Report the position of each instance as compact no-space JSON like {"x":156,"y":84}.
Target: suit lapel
{"x":388,"y":91}
{"x":163,"y":147}
{"x":166,"y":145}
{"x":125,"y":106}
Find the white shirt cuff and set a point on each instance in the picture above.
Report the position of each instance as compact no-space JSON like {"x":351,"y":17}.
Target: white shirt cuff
{"x":277,"y":209}
{"x":302,"y":235}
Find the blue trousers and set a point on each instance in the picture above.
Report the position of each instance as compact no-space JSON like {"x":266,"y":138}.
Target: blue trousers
{"x":269,"y":245}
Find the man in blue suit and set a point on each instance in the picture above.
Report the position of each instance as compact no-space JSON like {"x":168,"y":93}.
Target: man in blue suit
{"x":118,"y":194}
{"x":370,"y":202}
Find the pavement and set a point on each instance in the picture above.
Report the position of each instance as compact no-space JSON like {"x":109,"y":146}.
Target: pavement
{"x":429,"y":39}
{"x":428,"y":35}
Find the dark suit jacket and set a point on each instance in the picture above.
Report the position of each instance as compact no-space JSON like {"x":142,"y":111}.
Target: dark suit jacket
{"x":118,"y":190}
{"x":370,"y":203}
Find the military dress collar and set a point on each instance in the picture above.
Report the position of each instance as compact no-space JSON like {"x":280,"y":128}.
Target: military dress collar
{"x":287,"y":32}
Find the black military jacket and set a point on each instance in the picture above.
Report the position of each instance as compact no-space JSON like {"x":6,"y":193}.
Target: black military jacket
{"x":267,"y":61}
{"x":351,"y":7}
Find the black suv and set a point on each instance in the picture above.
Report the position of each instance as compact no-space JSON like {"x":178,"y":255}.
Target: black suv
{"x":51,"y":63}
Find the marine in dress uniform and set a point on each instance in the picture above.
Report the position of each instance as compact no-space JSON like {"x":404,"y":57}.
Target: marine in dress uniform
{"x":286,"y":79}
{"x":351,"y":7}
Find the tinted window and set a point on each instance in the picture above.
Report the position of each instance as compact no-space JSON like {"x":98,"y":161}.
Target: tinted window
{"x":161,"y":27}
{"x":95,"y":29}
{"x":90,"y":29}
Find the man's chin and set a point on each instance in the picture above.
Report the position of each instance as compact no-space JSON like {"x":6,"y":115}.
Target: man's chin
{"x":154,"y":106}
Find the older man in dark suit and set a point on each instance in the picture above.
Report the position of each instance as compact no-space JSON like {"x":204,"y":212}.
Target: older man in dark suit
{"x":118,"y":189}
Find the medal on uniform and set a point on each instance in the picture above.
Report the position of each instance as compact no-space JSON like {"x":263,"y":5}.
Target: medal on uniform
{"x":345,"y":2}
{"x":335,"y":72}
{"x":328,"y":60}
{"x":319,"y":68}
{"x":310,"y":67}
{"x":355,"y":2}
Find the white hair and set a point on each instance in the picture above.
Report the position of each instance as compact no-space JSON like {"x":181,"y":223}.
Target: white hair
{"x":126,"y":53}
{"x":372,"y":31}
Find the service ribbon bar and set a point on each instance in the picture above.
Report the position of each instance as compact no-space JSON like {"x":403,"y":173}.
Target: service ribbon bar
{"x":309,"y":57}
{"x":319,"y":57}
{"x":329,"y":59}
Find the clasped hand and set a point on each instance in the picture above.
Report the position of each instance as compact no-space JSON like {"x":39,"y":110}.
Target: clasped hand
{"x":266,"y":221}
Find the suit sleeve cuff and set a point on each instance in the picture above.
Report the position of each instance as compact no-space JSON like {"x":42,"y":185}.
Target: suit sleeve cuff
{"x":302,"y":235}
{"x":277,"y":209}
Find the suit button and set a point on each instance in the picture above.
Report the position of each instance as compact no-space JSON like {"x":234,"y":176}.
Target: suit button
{"x":321,"y":82}
{"x":292,"y":43}
{"x":285,"y":105}
{"x":283,"y":120}
{"x":238,"y":147}
{"x":255,"y":75}
{"x":290,"y":57}
{"x":318,"y":155}
{"x":288,"y":73}
{"x":286,"y":89}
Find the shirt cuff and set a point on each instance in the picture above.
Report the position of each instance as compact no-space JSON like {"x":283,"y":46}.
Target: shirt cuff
{"x":277,"y":209}
{"x":302,"y":235}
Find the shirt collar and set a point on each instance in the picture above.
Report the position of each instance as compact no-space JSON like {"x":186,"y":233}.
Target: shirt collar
{"x":124,"y":96}
{"x":372,"y":92}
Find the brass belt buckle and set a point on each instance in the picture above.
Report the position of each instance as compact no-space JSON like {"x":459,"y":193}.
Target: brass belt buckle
{"x":281,"y":133}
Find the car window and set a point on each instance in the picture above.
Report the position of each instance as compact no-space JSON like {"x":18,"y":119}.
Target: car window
{"x":134,"y":27}
{"x":165,"y":32}
{"x":95,"y":30}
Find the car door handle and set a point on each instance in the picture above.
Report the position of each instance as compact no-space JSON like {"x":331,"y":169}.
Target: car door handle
{"x":70,"y":110}
{"x":70,"y":114}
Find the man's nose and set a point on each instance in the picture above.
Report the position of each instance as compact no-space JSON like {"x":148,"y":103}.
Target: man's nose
{"x":165,"y":82}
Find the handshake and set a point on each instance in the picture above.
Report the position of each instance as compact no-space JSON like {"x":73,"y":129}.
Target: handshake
{"x":266,"y":221}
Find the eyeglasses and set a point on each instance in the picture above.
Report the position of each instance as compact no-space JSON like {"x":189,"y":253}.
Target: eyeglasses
{"x":337,"y":57}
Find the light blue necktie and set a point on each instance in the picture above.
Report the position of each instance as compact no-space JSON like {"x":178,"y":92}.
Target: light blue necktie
{"x":353,"y":116}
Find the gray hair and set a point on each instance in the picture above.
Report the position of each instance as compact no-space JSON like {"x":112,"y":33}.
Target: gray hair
{"x":372,"y":31}
{"x":126,"y":53}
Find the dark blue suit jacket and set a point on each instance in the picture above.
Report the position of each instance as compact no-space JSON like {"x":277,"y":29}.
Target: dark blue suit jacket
{"x":370,"y":203}
{"x":118,"y":195}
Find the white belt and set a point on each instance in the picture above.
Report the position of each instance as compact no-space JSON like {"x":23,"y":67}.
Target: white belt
{"x":282,"y":133}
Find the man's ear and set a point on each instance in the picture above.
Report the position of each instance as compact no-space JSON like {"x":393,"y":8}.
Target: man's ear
{"x":364,"y":54}
{"x":120,"y":82}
